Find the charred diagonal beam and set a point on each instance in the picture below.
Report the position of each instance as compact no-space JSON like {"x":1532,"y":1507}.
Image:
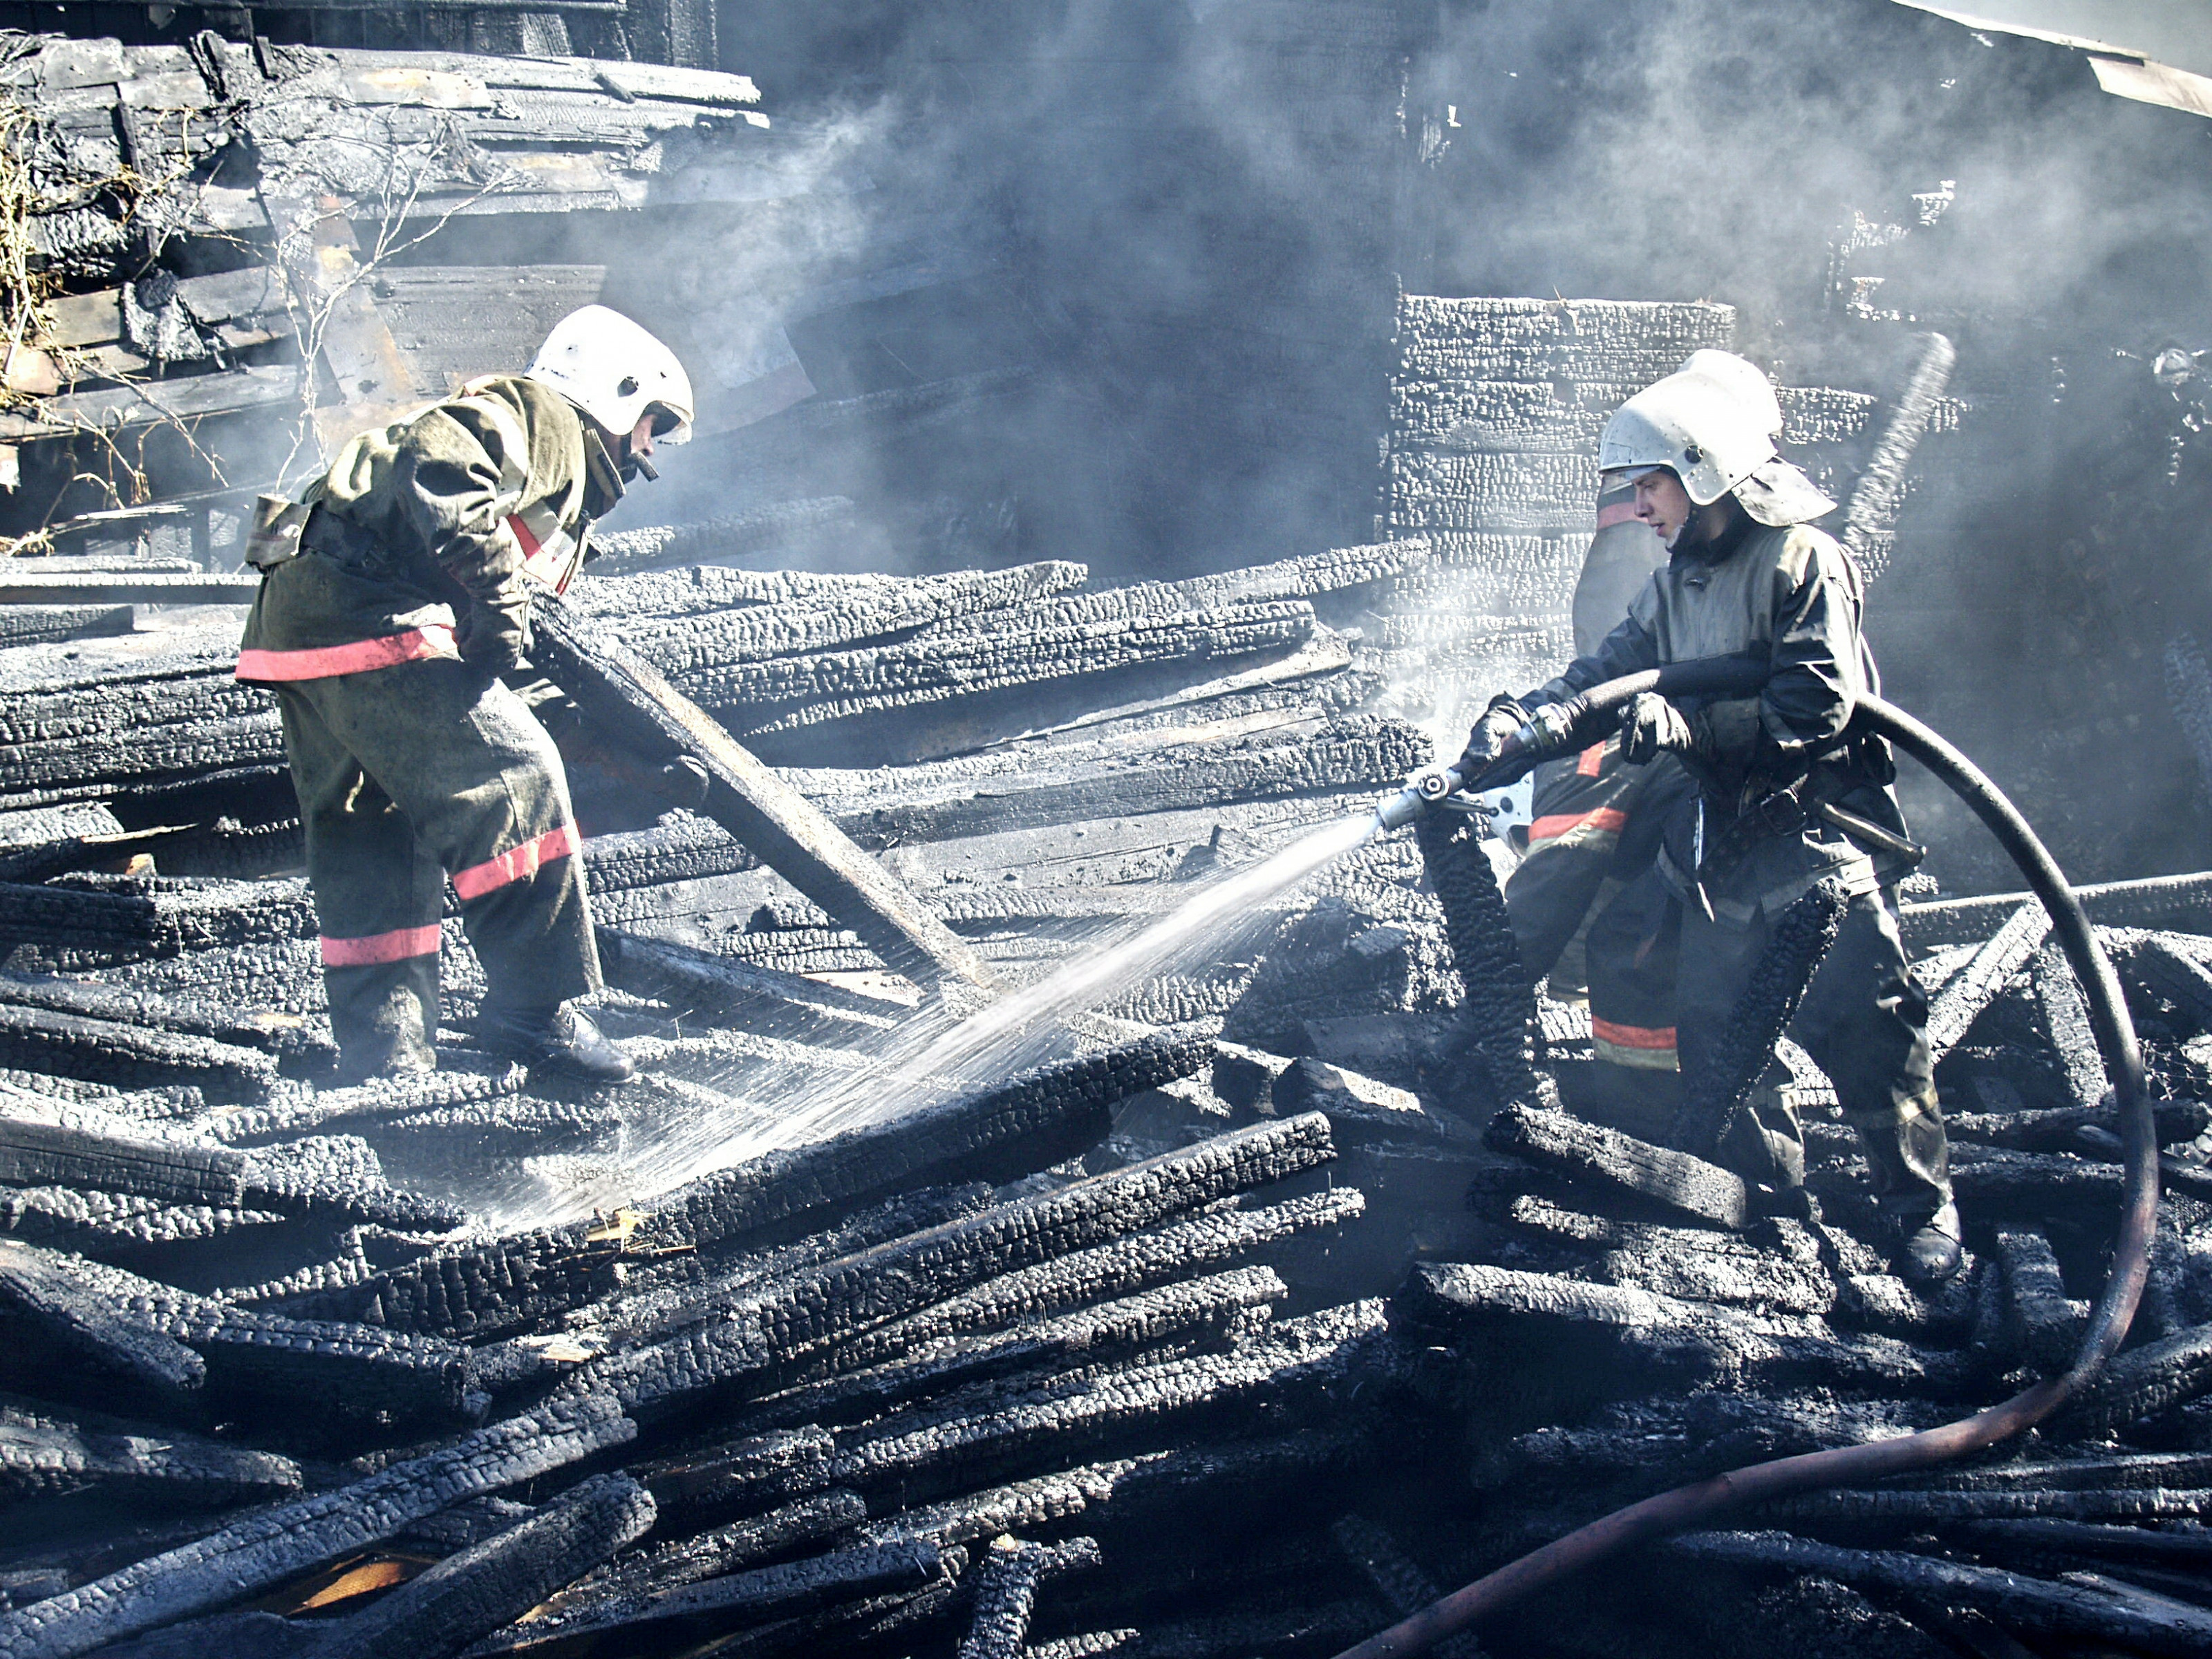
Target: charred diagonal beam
{"x":1402,"y":1582}
{"x":44,"y":1454}
{"x":633,"y":701}
{"x":777,"y":1464}
{"x":2033,"y":1605}
{"x":2145,"y":1382}
{"x":1609,"y":1161}
{"x":2065,"y":1016}
{"x":724,"y":989}
{"x":744,"y":1599}
{"x":1500,"y":1006}
{"x":55,"y":1314}
{"x":440,"y":1612}
{"x":1973,"y":988}
{"x":1717,"y":1078}
{"x":787,"y":1324}
{"x":2178,"y":975}
{"x":1006,"y":1585}
{"x":282,"y":1540}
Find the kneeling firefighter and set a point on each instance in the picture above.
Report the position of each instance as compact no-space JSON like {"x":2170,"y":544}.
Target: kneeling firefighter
{"x":1785,"y":796}
{"x":393,"y":598}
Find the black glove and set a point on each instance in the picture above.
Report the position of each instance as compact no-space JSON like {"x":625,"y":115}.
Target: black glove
{"x":495,"y":638}
{"x":1500,"y":725}
{"x":1651,"y":726}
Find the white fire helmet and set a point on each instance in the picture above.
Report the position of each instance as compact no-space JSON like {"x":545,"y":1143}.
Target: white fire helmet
{"x":615,"y":371}
{"x":1713,"y":423}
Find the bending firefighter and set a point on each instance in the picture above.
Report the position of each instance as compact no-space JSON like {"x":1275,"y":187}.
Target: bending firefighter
{"x":393,"y":598}
{"x":1783,"y":799}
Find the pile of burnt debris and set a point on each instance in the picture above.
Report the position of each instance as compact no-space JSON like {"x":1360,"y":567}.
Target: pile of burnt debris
{"x":1277,"y":1294}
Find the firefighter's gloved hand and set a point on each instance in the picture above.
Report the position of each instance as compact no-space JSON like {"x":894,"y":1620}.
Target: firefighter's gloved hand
{"x":1652,"y":726}
{"x":494,"y":638}
{"x":1500,"y":725}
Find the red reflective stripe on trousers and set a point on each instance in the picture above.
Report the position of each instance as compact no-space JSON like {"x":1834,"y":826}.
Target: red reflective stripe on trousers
{"x":1632,"y":1036}
{"x":1603,"y":818}
{"x":517,"y":864}
{"x":328,"y":661}
{"x":398,"y":945}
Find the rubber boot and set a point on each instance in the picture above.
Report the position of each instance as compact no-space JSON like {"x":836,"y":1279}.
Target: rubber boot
{"x":561,"y":1041}
{"x":1910,"y":1160}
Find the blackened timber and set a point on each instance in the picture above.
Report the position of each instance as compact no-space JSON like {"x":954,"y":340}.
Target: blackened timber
{"x":470,"y":1594}
{"x":809,"y":1312}
{"x":634,"y":700}
{"x":759,"y":998}
{"x":1006,"y":1588}
{"x":1610,"y":1160}
{"x":1399,"y":1580}
{"x":1500,"y":1006}
{"x":2030,"y":1605}
{"x":45,"y":1453}
{"x":57,"y":1315}
{"x":745,"y":1598}
{"x":272,"y":1029}
{"x":285,"y":1539}
{"x":1036,"y":1119}
{"x":128,"y":1056}
{"x":1971,"y":990}
{"x":2143,"y":1382}
{"x":2059,"y":1129}
{"x":2065,"y":1016}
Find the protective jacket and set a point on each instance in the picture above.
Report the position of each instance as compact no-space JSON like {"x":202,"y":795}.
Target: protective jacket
{"x":1791,"y":596}
{"x":418,"y":524}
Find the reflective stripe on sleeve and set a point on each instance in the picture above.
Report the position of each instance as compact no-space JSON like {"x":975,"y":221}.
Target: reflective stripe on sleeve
{"x":327,"y":662}
{"x":1593,"y":761}
{"x":398,"y":945}
{"x":516,"y":864}
{"x":1599,"y":821}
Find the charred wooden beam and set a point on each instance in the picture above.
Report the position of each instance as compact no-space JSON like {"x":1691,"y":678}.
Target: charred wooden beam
{"x":1006,"y":1585}
{"x":1609,"y":1161}
{"x":45,"y":1453}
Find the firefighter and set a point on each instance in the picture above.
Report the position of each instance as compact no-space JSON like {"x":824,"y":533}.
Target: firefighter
{"x":1785,"y":796}
{"x":394,"y":596}
{"x":1592,"y":818}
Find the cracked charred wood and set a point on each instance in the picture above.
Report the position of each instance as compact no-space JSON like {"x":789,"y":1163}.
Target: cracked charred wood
{"x":1718,"y":1079}
{"x":2065,"y":1013}
{"x":779,"y":1464}
{"x":744,"y":1599}
{"x":1534,"y":1331}
{"x":759,"y":998}
{"x":284,"y":1540}
{"x":1885,"y":1509}
{"x":1500,"y":1005}
{"x":1201,"y":1309}
{"x":467,"y":1595}
{"x":1006,"y":1584}
{"x":130,"y":1056}
{"x":1307,"y":1625}
{"x":604,"y":1598}
{"x":247,"y":1355}
{"x":1139,"y":1492}
{"x":2030,"y":1605}
{"x":2043,"y":1541}
{"x":1403,"y":1585}
{"x":683,"y":848}
{"x":45,"y":1453}
{"x":634,"y":703}
{"x":1126,"y":1265}
{"x":117,"y":1228}
{"x":1298,"y":1370}
{"x":2143,"y":1382}
{"x":274,"y":1030}
{"x":1970,"y":991}
{"x":58,"y":1320}
{"x":2059,"y":1129}
{"x":1777,"y":1263}
{"x":1037,"y":1118}
{"x":701,"y":588}
{"x":2031,"y":1187}
{"x":775,"y":1329}
{"x":2040,"y":1322}
{"x":1592,"y":1155}
{"x":787,"y":693}
{"x":2179,"y":976}
{"x":1809,"y":1618}
{"x":84,"y":921}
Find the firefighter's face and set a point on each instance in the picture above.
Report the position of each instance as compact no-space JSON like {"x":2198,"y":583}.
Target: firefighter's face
{"x":637,"y":451}
{"x":1662,"y":503}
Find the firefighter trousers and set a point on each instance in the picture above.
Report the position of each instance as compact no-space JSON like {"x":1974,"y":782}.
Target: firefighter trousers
{"x":407,"y":776}
{"x":1665,"y":979}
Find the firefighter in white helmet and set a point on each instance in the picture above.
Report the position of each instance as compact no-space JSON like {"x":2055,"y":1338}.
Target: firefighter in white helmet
{"x":1786,"y":796}
{"x":394,"y":596}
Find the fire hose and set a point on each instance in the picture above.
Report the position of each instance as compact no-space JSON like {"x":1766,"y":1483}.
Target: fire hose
{"x":1559,"y":728}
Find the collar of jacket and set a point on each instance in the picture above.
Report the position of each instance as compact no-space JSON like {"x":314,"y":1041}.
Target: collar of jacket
{"x":1698,"y":559}
{"x":603,"y":478}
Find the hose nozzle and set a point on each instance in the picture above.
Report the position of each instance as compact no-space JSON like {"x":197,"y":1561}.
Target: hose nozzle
{"x":1423,"y":790}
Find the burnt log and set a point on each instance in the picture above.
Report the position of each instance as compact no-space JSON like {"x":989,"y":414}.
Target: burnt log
{"x":56,"y":1320}
{"x":1006,"y":1585}
{"x":2040,"y":1323}
{"x":2030,"y":1605}
{"x":1403,"y":1586}
{"x":282,"y":1540}
{"x":2065,"y":1013}
{"x":2059,"y":1129}
{"x":2143,"y":1382}
{"x":1499,"y":1010}
{"x":130,"y":1056}
{"x":1611,"y":1162}
{"x":467,"y":1595}
{"x":1970,"y":991}
{"x":44,"y":1454}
